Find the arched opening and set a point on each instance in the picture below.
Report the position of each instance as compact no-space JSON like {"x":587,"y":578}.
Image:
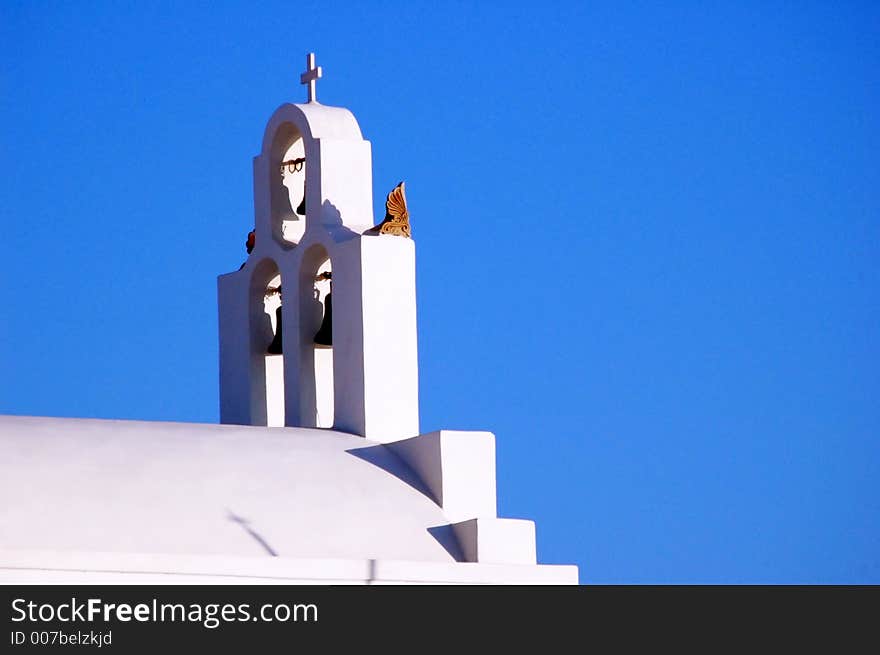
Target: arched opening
{"x":288,"y":185}
{"x":316,"y":338}
{"x":267,"y":360}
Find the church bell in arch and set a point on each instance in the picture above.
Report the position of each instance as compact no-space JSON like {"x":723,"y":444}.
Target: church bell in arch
{"x":324,"y":335}
{"x":275,"y":347}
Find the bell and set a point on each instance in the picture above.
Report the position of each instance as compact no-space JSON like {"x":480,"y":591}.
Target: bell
{"x":275,"y":347}
{"x":324,"y":335}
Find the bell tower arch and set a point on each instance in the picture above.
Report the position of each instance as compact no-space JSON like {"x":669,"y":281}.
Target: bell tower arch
{"x":339,"y":276}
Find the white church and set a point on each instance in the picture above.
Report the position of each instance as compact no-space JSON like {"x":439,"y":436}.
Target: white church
{"x":318,"y":473}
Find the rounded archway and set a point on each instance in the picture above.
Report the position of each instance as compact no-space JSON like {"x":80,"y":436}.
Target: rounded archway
{"x":287,"y":184}
{"x":316,"y":337}
{"x":266,"y":345}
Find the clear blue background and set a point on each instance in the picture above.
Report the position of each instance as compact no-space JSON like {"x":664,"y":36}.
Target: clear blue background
{"x":648,"y":247}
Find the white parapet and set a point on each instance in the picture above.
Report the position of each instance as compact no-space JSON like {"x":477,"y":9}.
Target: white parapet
{"x":458,"y":469}
{"x":389,"y":352}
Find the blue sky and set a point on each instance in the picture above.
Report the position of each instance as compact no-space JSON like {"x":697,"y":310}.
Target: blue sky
{"x":648,"y":247}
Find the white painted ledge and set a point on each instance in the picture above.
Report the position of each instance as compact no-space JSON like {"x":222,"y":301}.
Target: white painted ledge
{"x":497,"y":541}
{"x":54,"y":567}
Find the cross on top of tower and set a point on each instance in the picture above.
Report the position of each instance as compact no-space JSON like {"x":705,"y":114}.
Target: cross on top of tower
{"x":312,"y":74}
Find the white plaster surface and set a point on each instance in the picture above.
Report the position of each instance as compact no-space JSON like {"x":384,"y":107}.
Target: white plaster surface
{"x":324,"y":387}
{"x":52,"y":567}
{"x":390,"y":348}
{"x":275,"y":391}
{"x":497,"y":541}
{"x":458,"y":468}
{"x":133,"y":486}
{"x":107,"y":501}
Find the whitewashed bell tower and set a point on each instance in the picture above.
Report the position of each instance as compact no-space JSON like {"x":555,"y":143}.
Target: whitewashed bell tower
{"x":315,"y":247}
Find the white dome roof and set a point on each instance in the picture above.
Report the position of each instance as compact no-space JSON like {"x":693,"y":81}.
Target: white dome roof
{"x":147,"y":487}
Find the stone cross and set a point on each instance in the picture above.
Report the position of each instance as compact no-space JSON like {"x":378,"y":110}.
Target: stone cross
{"x":311,"y":75}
